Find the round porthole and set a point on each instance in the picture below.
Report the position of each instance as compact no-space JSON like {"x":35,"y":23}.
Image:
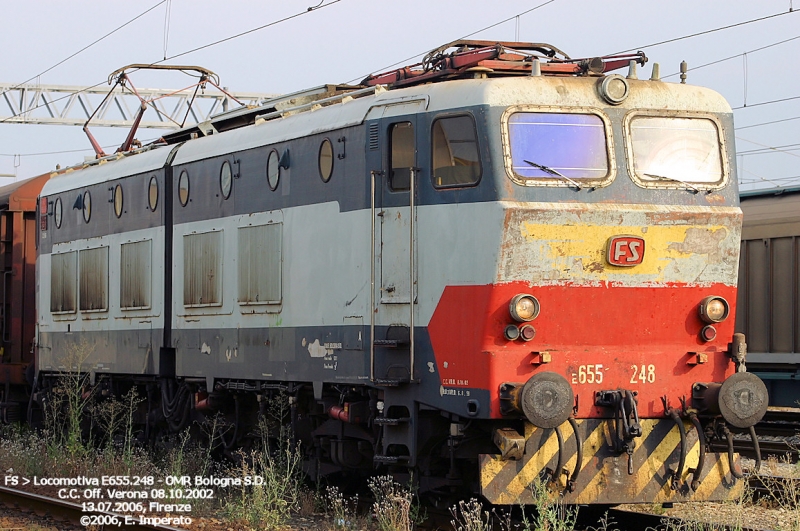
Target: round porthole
{"x":58,"y":212}
{"x":118,"y":200}
{"x":152,"y":193}
{"x":183,"y":188}
{"x":87,"y":206}
{"x":326,"y":160}
{"x":225,"y":179}
{"x":273,"y":170}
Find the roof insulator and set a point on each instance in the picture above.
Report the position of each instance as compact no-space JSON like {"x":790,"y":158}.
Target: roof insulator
{"x":684,"y":69}
{"x":632,"y":70}
{"x":656,"y":75}
{"x":536,"y":68}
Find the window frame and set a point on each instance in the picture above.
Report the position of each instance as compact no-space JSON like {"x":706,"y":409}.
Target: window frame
{"x":277,"y":159}
{"x":188,"y":187}
{"x":226,"y":164}
{"x":58,"y":212}
{"x":326,"y":141}
{"x":667,"y":184}
{"x":152,"y":204}
{"x":556,"y":181}
{"x":119,"y":206}
{"x":87,"y":211}
{"x":445,"y":116}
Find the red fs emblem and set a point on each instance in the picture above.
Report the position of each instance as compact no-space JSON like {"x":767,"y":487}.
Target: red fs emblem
{"x":625,"y":250}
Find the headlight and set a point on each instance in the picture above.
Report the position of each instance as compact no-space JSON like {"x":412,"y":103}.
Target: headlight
{"x":524,"y":308}
{"x":714,"y":309}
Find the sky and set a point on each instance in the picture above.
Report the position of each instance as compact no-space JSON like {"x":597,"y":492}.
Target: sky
{"x":344,"y":40}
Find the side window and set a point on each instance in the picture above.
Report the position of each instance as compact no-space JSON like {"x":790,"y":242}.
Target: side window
{"x":63,"y":276}
{"x":135,"y":279}
{"x":260,"y":264}
{"x":202,"y":269}
{"x":401,"y":139}
{"x":455,"y":152}
{"x":94,"y":279}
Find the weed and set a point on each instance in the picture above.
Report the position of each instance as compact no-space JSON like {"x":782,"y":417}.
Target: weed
{"x":341,"y":509}
{"x":392,"y":505}
{"x":470,"y":516}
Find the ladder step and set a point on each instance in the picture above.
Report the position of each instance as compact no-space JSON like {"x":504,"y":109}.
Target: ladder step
{"x":389,"y":343}
{"x":386,"y":382}
{"x":390,"y":459}
{"x":383,"y":421}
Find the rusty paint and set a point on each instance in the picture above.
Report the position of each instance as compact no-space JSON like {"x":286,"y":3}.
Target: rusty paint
{"x":603,"y":476}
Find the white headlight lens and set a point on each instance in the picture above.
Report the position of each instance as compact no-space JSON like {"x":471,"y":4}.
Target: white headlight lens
{"x":524,"y":308}
{"x":714,"y":309}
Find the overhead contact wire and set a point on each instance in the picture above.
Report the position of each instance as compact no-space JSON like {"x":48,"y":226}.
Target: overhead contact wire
{"x":85,"y":48}
{"x":309,"y":10}
{"x":403,"y":61}
{"x":706,"y":32}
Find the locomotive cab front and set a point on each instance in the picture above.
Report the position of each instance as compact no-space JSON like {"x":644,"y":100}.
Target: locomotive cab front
{"x":603,"y":331}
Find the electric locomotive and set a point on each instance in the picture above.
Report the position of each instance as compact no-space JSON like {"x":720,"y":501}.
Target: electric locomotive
{"x":496,"y":266}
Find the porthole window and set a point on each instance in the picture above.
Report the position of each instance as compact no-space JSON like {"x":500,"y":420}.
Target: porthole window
{"x":326,"y":160}
{"x":58,"y":212}
{"x":87,"y":206}
{"x":152,"y":193}
{"x":273,"y":170}
{"x":225,"y":179}
{"x":183,"y":188}
{"x":118,"y":200}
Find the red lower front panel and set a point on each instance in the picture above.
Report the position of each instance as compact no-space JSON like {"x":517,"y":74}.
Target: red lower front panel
{"x":605,"y":337}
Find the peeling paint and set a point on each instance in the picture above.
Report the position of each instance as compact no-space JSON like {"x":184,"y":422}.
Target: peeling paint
{"x":317,"y":350}
{"x":556,"y":243}
{"x":702,"y":241}
{"x":206,"y":348}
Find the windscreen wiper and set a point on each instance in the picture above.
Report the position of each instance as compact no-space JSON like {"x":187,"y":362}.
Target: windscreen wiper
{"x":665,"y":178}
{"x":551,"y":171}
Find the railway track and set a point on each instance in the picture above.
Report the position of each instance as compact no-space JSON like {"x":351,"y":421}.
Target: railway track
{"x":632,"y":520}
{"x":74,"y":513}
{"x":778,"y":436}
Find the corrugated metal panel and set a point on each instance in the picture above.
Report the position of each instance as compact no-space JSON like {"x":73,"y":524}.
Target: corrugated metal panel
{"x":135,"y":278}
{"x":202,"y":269}
{"x":768,"y":311}
{"x":62,"y":282}
{"x":260,"y":264}
{"x":94,"y":279}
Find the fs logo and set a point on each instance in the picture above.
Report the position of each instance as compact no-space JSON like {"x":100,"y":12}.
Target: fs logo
{"x":625,"y":250}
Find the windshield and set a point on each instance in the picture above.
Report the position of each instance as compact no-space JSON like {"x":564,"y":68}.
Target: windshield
{"x":676,"y":149}
{"x":568,"y":144}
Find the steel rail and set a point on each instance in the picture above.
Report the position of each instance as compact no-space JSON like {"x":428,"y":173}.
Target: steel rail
{"x":69,"y":510}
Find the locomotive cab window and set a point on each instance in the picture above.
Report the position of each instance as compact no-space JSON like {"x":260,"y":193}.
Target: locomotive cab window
{"x":401,"y":138}
{"x":455,"y":152}
{"x":558,"y":148}
{"x":671,"y":152}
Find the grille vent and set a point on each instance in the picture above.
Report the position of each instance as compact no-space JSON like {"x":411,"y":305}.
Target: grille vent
{"x":373,"y":136}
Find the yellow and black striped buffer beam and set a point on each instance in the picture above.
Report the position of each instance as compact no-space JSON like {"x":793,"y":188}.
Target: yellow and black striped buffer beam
{"x":604,"y":473}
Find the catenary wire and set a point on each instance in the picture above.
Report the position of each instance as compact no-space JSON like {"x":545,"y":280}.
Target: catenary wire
{"x":767,"y":123}
{"x":765,"y":103}
{"x":140,"y":15}
{"x":735,"y":56}
{"x":706,"y":32}
{"x":309,"y":10}
{"x":403,"y":61}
